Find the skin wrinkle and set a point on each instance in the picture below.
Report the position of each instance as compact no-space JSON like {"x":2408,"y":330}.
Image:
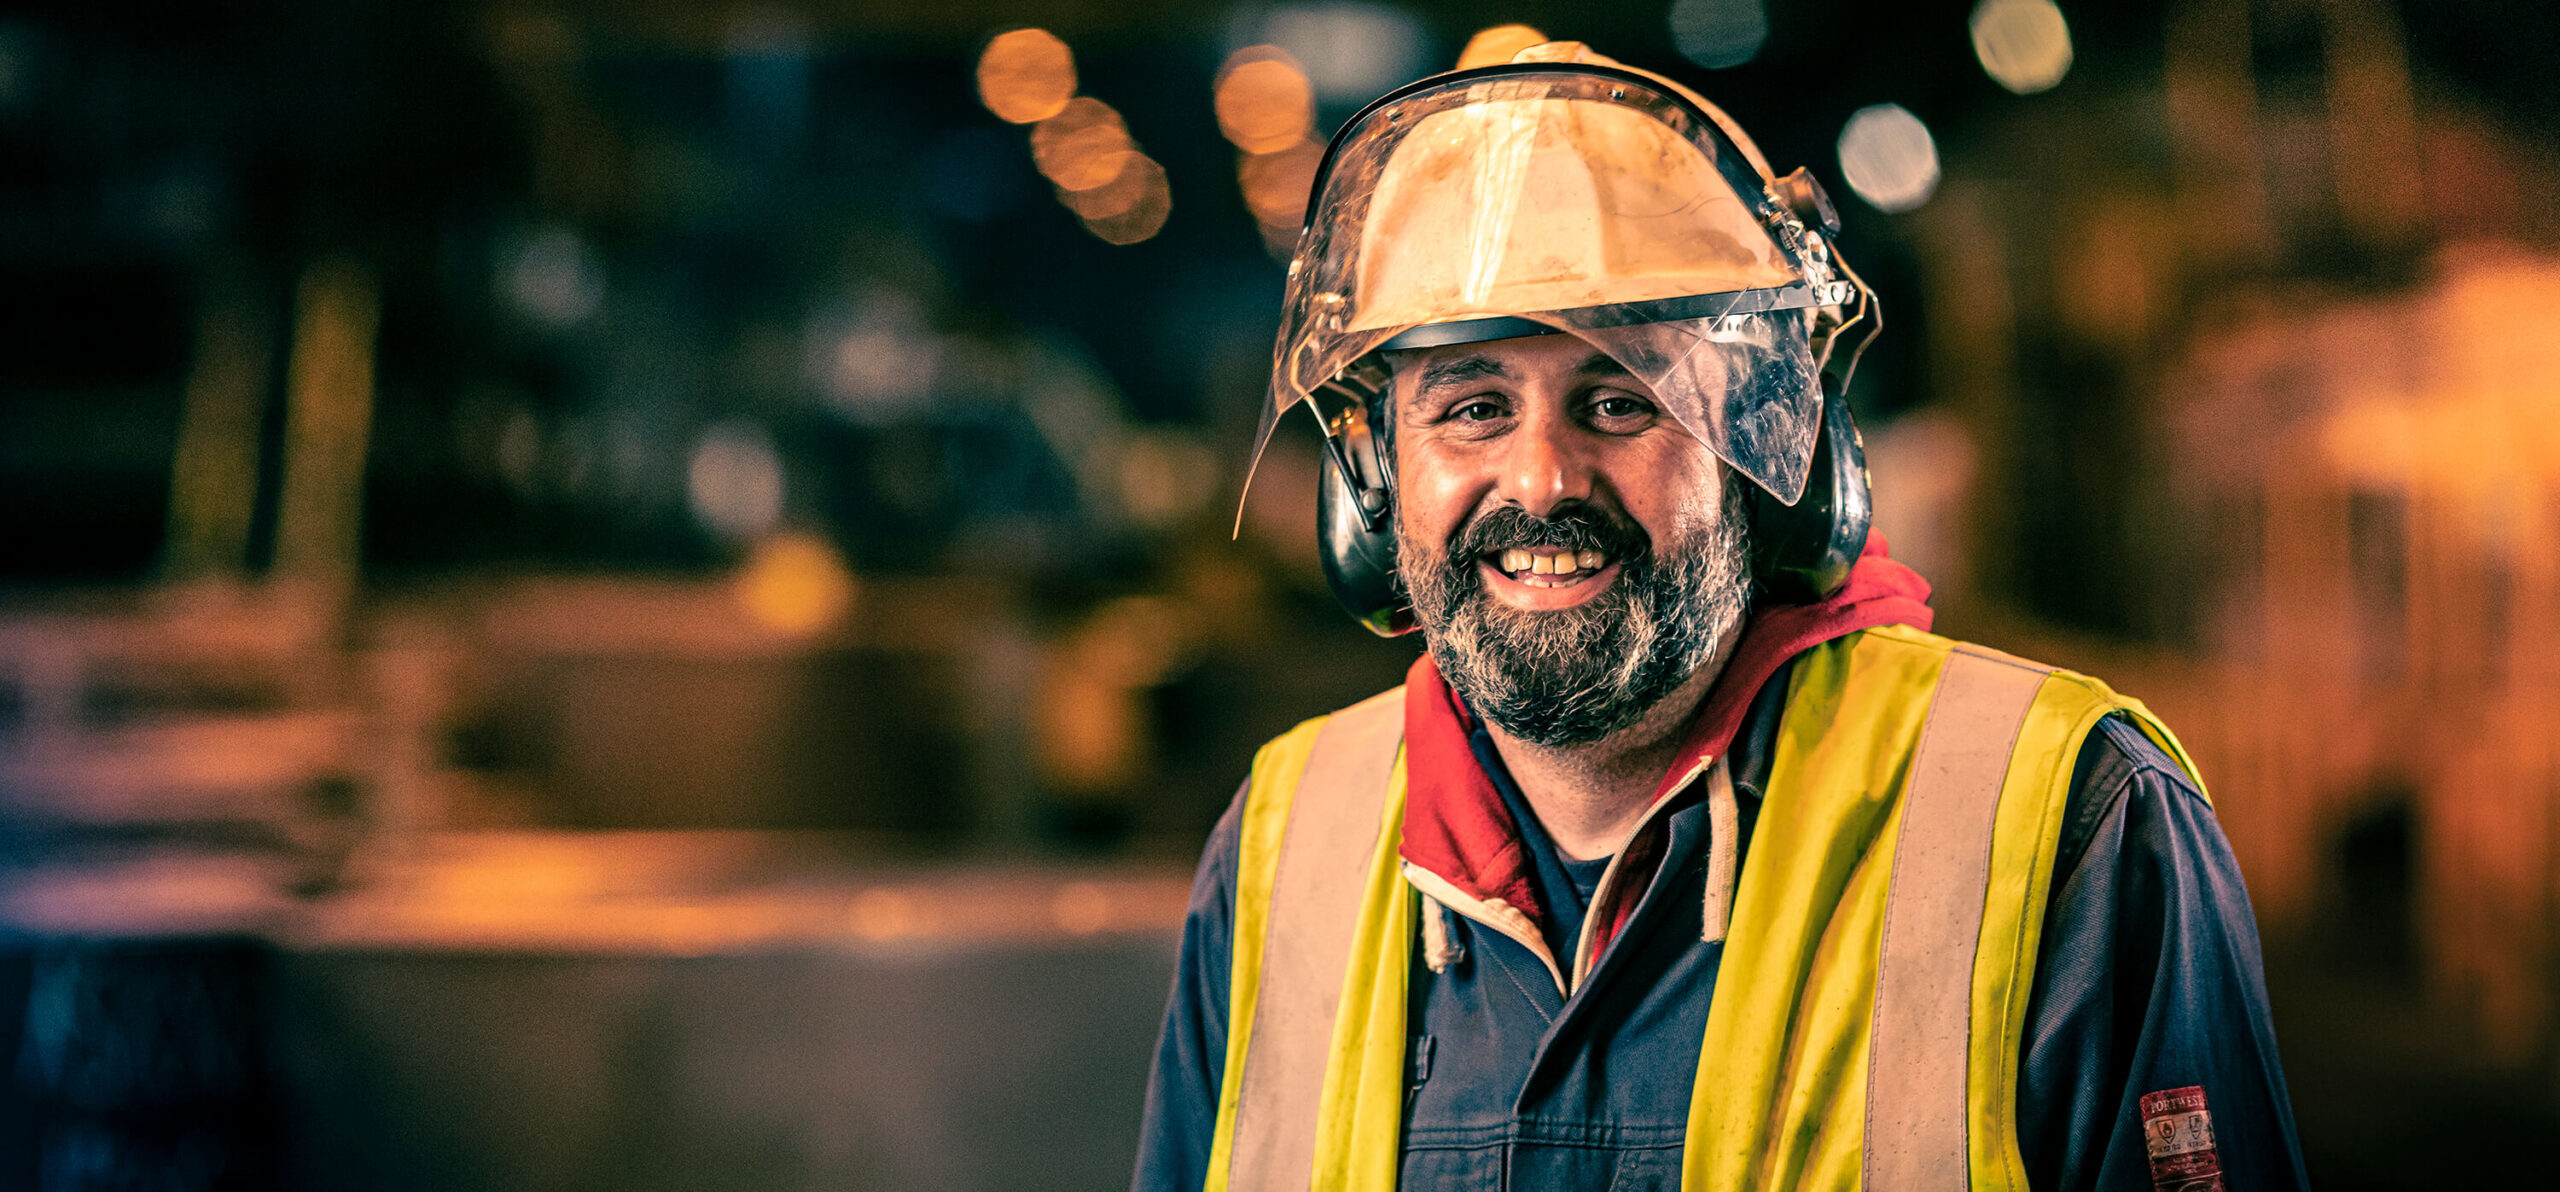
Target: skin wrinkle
{"x":1585,"y":701}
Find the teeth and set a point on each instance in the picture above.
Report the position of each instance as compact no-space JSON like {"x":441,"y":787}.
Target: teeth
{"x":1550,"y":561}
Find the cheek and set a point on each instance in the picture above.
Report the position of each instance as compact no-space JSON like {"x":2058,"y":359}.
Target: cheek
{"x":1675,"y":491}
{"x":1433,"y":496}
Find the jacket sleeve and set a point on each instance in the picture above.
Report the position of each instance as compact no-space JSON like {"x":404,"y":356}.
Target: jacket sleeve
{"x":1191,"y":1054}
{"x":2148,"y":979}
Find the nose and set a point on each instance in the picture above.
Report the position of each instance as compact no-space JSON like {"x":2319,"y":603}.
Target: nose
{"x":1545,"y":467}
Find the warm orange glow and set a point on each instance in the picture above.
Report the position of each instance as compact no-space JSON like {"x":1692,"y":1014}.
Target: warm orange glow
{"x":1144,"y":218}
{"x":1265,"y":103}
{"x":796,"y":584}
{"x":1276,"y":185}
{"x":1496,"y":45}
{"x":886,"y":915}
{"x":1081,"y":908}
{"x":1027,"y":75}
{"x":1139,"y":178}
{"x":1084,"y":146}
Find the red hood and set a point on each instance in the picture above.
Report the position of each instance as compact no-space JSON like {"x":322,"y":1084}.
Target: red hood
{"x":1455,"y":824}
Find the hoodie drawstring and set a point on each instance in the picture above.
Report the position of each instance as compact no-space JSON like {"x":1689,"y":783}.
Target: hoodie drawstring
{"x":1439,"y":951}
{"x":1723,"y":844}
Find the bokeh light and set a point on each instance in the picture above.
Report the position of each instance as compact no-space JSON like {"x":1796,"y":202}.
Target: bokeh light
{"x":1026,"y":76}
{"x":795,"y":584}
{"x":1264,"y":100}
{"x":1140,"y":176}
{"x":735,"y":481}
{"x":1351,"y":51}
{"x":1889,"y":158}
{"x":1719,"y":33}
{"x":1276,"y":185}
{"x":2024,"y":44}
{"x":1084,"y":146}
{"x":1494,"y":46}
{"x":1145,"y":215}
{"x":555,"y":278}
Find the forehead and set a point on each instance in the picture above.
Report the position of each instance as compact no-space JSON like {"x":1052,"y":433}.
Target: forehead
{"x":1526,"y":359}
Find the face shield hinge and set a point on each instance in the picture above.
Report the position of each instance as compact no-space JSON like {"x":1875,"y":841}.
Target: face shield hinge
{"x":1803,"y":195}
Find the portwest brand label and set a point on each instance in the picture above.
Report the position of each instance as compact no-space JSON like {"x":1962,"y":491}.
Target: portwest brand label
{"x":2177,"y":1130}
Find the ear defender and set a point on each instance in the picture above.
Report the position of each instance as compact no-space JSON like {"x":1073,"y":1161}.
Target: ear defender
{"x":1355,"y":526}
{"x":1800,"y":553}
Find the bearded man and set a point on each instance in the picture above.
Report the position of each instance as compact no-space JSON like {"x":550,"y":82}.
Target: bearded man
{"x":1686,"y":856}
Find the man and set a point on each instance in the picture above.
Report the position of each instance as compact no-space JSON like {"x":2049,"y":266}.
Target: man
{"x":1686,"y":857}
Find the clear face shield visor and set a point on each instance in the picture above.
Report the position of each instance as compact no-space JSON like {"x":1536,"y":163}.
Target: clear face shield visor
{"x":1529,"y":198}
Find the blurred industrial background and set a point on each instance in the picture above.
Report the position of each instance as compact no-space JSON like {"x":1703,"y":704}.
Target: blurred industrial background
{"x":641,"y":595}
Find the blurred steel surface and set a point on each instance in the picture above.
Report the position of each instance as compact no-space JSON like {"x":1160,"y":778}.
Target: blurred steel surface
{"x":625,"y":1010}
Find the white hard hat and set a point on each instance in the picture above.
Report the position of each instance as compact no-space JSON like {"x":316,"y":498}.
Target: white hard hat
{"x":1563,"y":192}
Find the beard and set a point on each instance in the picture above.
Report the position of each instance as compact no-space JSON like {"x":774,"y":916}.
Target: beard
{"x":1573,"y":676}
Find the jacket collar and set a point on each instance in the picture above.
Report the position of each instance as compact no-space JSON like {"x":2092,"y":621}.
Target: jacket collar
{"x":1455,"y":825}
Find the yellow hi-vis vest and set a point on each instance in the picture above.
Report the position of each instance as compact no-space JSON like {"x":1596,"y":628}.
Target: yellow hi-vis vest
{"x":1871,"y":1000}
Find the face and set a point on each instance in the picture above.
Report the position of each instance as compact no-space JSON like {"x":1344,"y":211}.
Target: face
{"x":1572,"y":551}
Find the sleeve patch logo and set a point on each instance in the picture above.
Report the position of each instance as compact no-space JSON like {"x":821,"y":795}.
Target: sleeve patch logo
{"x":2177,"y":1130}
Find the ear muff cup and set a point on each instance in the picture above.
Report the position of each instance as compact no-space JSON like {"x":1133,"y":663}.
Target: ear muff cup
{"x":1355,"y":526}
{"x":1800,"y":553}
{"x":1803,"y":552}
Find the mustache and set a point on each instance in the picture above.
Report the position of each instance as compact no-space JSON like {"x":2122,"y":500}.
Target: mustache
{"x":1577,"y":526}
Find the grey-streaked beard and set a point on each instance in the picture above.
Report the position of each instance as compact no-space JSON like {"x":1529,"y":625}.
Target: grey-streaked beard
{"x":1575,"y":675}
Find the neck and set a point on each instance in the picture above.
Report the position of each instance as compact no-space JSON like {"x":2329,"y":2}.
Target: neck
{"x":1591,"y":797}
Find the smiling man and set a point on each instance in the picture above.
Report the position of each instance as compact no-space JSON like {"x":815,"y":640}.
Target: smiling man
{"x":1686,"y":857}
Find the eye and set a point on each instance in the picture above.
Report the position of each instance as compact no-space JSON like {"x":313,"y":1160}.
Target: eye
{"x":1618,"y":410}
{"x":1476,"y":410}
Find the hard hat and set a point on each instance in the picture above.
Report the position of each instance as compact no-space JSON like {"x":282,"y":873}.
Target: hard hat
{"x":1565,"y":192}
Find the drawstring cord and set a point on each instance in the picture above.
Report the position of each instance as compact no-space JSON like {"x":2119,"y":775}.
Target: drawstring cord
{"x":1439,"y":951}
{"x":1724,"y":838}
{"x":1723,"y":844}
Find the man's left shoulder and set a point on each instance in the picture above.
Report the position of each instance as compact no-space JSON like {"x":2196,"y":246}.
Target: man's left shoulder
{"x":2118,"y":752}
{"x":1902,"y":638}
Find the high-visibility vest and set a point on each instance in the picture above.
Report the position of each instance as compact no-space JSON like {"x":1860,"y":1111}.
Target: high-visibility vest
{"x":1871,"y":1001}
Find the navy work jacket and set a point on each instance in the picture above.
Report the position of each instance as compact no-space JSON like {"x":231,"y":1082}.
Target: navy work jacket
{"x":2148,"y":978}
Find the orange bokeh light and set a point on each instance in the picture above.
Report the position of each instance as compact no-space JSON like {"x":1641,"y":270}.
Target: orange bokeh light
{"x":1084,"y":146}
{"x":1027,"y":75}
{"x":1490,"y":47}
{"x":1276,"y":185}
{"x":795,"y":584}
{"x":1264,"y":101}
{"x":1144,"y":217}
{"x":1138,"y":177}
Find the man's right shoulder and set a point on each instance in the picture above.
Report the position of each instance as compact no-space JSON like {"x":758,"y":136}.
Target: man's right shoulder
{"x":1288,"y":751}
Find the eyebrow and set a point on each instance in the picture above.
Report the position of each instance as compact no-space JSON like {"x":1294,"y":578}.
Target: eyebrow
{"x":1600,"y":364}
{"x":1460,"y":370}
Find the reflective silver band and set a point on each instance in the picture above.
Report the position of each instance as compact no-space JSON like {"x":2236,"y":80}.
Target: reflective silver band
{"x":1315,"y":910}
{"x":1918,"y":1048}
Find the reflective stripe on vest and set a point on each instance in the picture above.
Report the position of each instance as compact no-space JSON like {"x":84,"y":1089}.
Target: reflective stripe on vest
{"x":1329,"y":793}
{"x":1870,"y":1003}
{"x":1916,"y":1105}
